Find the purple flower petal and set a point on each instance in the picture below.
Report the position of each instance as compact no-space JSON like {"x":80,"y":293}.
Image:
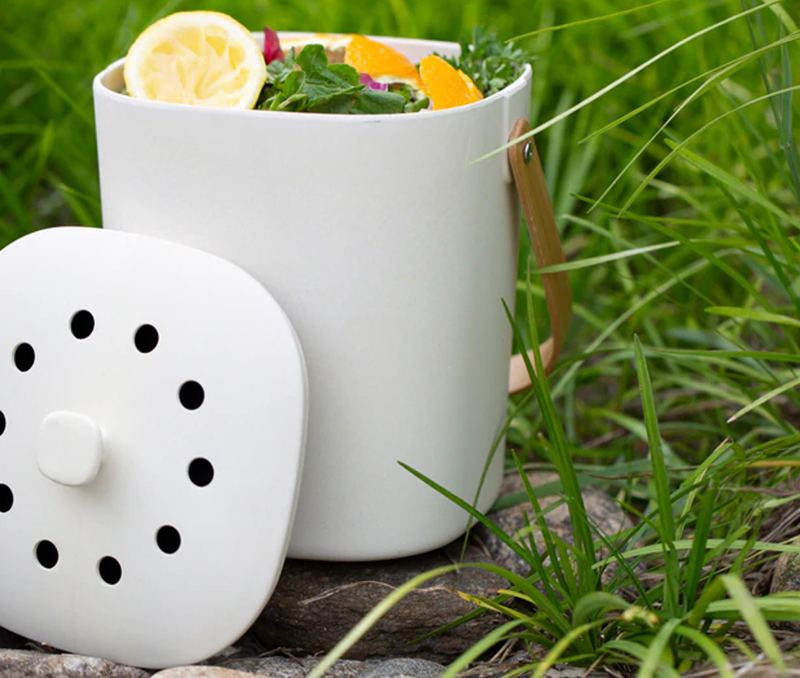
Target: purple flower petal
{"x":368,"y":81}
{"x":272,"y":46}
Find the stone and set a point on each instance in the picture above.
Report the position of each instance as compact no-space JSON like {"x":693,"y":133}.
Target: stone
{"x":201,"y":672}
{"x":497,"y":668}
{"x":746,"y":667}
{"x":604,"y":512}
{"x":316,"y":603}
{"x":519,"y":664}
{"x":403,"y":668}
{"x":276,"y":667}
{"x":344,"y":668}
{"x":786,"y":576}
{"x":26,"y":664}
{"x":284,"y":667}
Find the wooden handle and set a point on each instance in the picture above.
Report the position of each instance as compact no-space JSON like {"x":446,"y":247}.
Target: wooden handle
{"x":526,"y":168}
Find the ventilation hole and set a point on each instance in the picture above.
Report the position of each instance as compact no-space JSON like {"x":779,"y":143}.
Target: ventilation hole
{"x":201,"y":472}
{"x":24,"y":357}
{"x":146,"y":338}
{"x":82,"y":324}
{"x":168,"y":539}
{"x":47,"y":554}
{"x":2,"y":423}
{"x":6,"y":498}
{"x":192,"y":395}
{"x":110,"y":570}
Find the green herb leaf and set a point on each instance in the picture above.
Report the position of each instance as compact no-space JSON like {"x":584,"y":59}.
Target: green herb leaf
{"x":491,"y":63}
{"x":307,"y":82}
{"x":374,"y":101}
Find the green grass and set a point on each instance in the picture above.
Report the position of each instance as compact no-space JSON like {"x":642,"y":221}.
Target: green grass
{"x":678,"y":196}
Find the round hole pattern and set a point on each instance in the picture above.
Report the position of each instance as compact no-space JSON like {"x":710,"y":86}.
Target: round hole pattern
{"x":168,"y":539}
{"x":110,"y":570}
{"x":24,"y":357}
{"x":191,"y":395}
{"x":201,"y":472}
{"x":82,"y":324}
{"x":47,"y":554}
{"x":6,"y":498}
{"x":146,"y":339}
{"x":2,"y":423}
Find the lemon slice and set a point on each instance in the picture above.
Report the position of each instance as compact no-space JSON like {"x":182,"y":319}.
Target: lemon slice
{"x":199,"y":58}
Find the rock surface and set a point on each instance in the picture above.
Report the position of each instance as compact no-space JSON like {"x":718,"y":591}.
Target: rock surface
{"x":25,"y":664}
{"x":786,"y":576}
{"x":316,"y":603}
{"x":403,"y":668}
{"x":201,"y":672}
{"x":284,"y":667}
{"x":605,"y":513}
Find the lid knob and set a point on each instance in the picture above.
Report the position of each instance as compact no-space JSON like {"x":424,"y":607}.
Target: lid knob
{"x":70,"y":448}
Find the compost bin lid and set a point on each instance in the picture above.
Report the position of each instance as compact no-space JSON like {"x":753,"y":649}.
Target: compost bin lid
{"x":152,"y":424}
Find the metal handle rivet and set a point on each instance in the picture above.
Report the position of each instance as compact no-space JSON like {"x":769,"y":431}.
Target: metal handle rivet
{"x":527,"y":152}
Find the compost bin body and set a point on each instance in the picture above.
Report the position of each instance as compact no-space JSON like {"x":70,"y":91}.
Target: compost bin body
{"x":390,"y":249}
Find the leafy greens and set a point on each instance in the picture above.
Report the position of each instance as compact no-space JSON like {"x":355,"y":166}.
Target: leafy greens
{"x":307,"y":82}
{"x":491,"y":63}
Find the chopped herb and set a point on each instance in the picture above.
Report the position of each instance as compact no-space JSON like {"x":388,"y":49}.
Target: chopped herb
{"x":493,"y":64}
{"x":409,"y":94}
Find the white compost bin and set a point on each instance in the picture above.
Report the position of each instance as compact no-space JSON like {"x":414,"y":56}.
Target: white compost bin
{"x":390,"y":249}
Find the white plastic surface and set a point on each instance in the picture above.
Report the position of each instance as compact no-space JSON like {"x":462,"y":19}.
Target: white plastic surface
{"x":390,"y":249}
{"x":217,"y":327}
{"x":70,"y":448}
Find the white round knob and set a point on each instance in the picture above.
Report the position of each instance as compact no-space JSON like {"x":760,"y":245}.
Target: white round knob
{"x":70,"y":448}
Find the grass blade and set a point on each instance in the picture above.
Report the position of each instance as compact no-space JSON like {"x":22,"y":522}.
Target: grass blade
{"x":758,"y":402}
{"x":483,"y":645}
{"x":696,"y":560}
{"x":713,"y":651}
{"x":655,"y":652}
{"x":373,"y":616}
{"x":605,"y":258}
{"x":755,"y":620}
{"x":624,"y":78}
{"x":661,"y":481}
{"x":590,"y":20}
{"x":753,"y":314}
{"x":560,"y":647}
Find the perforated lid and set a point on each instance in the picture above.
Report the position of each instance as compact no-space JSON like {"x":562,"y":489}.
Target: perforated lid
{"x":153,"y":403}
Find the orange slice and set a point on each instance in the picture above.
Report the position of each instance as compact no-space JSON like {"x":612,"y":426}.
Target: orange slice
{"x":380,"y":61}
{"x":446,"y":86}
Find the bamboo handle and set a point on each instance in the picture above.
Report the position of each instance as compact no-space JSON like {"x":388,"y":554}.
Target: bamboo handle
{"x":526,"y":168}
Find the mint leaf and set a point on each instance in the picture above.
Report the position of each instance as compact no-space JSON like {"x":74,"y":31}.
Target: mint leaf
{"x":375,"y":101}
{"x":307,"y":82}
{"x":325,"y":83}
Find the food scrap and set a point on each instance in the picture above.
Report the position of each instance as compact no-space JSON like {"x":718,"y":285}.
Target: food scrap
{"x":209,"y":59}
